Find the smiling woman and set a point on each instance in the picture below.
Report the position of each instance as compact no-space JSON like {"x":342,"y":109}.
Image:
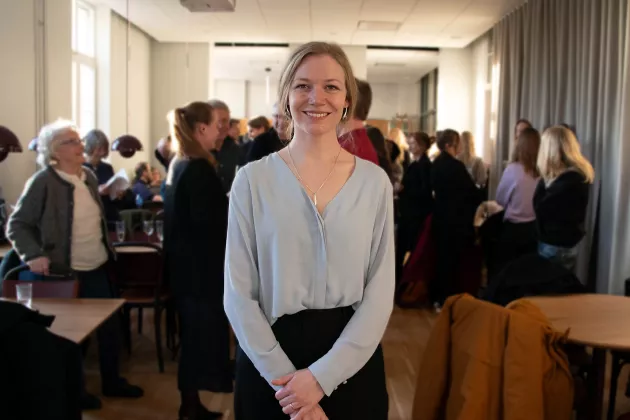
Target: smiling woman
{"x":309,"y":273}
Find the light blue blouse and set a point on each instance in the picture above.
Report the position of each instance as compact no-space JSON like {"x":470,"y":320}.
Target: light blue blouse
{"x":283,"y":257}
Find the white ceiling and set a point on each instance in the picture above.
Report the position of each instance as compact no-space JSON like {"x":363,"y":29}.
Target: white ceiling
{"x":427,"y":23}
{"x":421,"y":23}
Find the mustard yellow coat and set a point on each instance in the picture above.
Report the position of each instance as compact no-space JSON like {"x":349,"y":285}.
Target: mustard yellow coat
{"x":486,"y":362}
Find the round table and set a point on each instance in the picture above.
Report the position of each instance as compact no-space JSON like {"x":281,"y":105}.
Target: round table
{"x":595,"y":320}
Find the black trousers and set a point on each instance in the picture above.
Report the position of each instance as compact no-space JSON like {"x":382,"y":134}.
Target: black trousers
{"x":450,"y":246}
{"x":95,"y":284}
{"x":305,"y":337}
{"x":516,"y":240}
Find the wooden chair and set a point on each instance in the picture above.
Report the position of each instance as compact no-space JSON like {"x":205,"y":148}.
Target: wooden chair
{"x":137,"y":277}
{"x":55,"y":286}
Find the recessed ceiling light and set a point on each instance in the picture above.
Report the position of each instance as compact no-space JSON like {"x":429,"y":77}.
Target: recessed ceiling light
{"x":456,"y":37}
{"x":380,"y":26}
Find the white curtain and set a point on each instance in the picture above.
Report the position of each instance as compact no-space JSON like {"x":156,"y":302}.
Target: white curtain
{"x":565,"y":61}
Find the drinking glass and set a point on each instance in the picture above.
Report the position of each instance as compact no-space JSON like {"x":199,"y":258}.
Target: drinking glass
{"x":24,"y":294}
{"x":120,"y":230}
{"x":147,"y":227}
{"x":159,"y":229}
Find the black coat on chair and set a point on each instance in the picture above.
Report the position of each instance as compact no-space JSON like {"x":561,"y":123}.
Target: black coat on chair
{"x":40,"y":373}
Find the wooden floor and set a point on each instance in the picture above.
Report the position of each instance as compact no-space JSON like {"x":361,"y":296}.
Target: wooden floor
{"x":403,"y":345}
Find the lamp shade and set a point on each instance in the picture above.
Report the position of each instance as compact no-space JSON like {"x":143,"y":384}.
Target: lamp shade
{"x":9,"y":143}
{"x":32,"y":145}
{"x":127,"y":145}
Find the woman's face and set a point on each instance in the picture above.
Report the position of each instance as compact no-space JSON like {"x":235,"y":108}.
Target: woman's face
{"x":207,"y":134}
{"x":318,"y":95}
{"x":414,"y":147}
{"x":454,"y":148}
{"x":252,"y":132}
{"x":69,"y":149}
{"x":102,"y":152}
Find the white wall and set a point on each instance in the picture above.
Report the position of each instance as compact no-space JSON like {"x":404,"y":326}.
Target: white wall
{"x":481,"y":98}
{"x":112,"y":85}
{"x":455,"y":92}
{"x":257,"y":98}
{"x":179,"y":75}
{"x":18,"y":81}
{"x":248,"y":99}
{"x":390,"y":99}
{"x":234,"y":93}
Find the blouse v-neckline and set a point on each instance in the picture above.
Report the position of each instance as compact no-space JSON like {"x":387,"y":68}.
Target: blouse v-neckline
{"x":296,"y":181}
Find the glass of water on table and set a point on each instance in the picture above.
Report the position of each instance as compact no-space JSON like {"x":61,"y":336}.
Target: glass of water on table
{"x":24,"y":294}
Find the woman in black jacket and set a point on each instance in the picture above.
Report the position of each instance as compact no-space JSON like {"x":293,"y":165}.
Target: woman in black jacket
{"x":415,"y":199}
{"x":456,"y":201}
{"x":561,"y":196}
{"x":195,"y":221}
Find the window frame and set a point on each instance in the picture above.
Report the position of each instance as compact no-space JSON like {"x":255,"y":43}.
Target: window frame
{"x":82,"y":59}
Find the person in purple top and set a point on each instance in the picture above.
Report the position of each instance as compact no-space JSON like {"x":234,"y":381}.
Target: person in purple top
{"x":515,"y":194}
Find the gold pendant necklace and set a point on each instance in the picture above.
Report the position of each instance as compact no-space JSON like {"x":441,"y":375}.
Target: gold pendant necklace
{"x":297,"y":173}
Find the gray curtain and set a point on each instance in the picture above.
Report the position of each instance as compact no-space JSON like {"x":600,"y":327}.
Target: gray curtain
{"x":565,"y":61}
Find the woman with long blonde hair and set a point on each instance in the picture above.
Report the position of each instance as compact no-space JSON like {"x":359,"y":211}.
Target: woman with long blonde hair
{"x":468,"y":156}
{"x":195,"y":228}
{"x":561,"y":197}
{"x":309,"y":281}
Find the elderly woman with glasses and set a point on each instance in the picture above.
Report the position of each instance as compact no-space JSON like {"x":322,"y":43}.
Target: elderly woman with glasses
{"x":59,"y":225}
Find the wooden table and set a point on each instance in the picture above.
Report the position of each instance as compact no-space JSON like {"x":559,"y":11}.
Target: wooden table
{"x":75,"y":319}
{"x":595,"y":320}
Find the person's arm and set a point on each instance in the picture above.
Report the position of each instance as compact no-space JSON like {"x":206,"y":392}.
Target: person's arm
{"x":242,"y":288}
{"x":480,"y":172}
{"x":23,"y":225}
{"x":506,"y":187}
{"x":363,"y":333}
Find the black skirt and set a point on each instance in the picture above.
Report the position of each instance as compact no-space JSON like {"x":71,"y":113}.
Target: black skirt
{"x":204,"y":362}
{"x":305,"y":337}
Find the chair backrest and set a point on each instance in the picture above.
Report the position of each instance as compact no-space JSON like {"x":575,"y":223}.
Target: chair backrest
{"x":44,"y":289}
{"x":134,"y":218}
{"x":138,"y":266}
{"x":153,"y":206}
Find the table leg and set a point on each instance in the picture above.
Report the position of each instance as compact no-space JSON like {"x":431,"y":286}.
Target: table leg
{"x":595,"y":386}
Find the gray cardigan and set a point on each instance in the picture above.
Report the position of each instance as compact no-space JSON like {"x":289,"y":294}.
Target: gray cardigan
{"x":41,"y":224}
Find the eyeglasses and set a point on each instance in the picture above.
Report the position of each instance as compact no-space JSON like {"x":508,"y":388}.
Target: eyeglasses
{"x":73,"y":142}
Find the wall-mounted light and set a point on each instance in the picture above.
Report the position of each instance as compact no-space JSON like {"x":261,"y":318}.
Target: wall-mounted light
{"x":127,"y":145}
{"x":9,"y":143}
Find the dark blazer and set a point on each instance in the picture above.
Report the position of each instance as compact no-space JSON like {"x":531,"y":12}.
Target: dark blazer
{"x":416,"y":198}
{"x":561,"y":209}
{"x":456,"y":197}
{"x":264,"y":145}
{"x":229,"y":158}
{"x":195,"y":229}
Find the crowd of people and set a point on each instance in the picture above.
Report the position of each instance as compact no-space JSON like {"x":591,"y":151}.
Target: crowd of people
{"x":294,"y":234}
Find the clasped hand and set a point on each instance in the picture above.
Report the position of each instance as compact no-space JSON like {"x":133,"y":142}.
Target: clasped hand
{"x":300,"y":396}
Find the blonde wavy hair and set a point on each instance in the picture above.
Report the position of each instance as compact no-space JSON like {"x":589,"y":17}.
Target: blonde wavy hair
{"x":288,"y":75}
{"x":467,"y":148}
{"x":560,"y":151}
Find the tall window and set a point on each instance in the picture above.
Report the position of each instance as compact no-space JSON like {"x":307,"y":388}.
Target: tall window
{"x":83,"y":65}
